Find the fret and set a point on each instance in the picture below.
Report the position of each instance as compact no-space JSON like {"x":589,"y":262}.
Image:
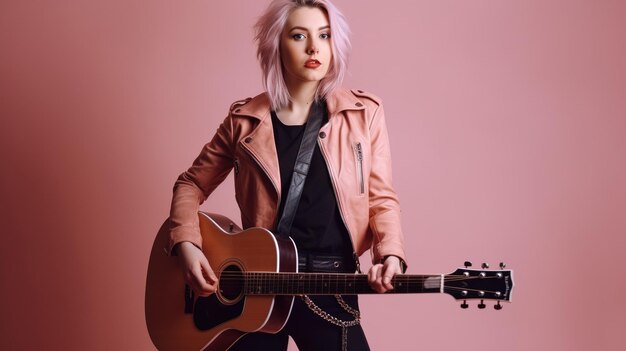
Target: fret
{"x":308,"y":281}
{"x":245,"y":284}
{"x":282,"y":283}
{"x":262,"y":282}
{"x":262,"y":285}
{"x":248,"y":283}
{"x":301,"y":283}
{"x":402,"y":284}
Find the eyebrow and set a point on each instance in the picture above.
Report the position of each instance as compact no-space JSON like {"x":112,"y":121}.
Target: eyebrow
{"x":305,"y":29}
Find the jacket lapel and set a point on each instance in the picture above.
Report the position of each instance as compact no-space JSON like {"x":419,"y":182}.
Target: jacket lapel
{"x":260,"y":142}
{"x":342,"y":100}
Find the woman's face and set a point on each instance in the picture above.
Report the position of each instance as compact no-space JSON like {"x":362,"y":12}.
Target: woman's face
{"x":305,"y":46}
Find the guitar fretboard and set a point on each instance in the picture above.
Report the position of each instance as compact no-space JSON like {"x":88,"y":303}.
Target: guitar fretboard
{"x":261,"y":283}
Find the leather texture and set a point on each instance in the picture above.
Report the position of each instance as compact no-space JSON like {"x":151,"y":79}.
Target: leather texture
{"x":325,"y":263}
{"x":354,"y":144}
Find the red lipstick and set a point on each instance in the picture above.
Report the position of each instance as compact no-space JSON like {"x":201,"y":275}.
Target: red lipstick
{"x":312,"y":63}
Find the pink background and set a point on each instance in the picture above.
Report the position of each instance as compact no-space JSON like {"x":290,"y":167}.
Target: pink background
{"x":508,"y":129}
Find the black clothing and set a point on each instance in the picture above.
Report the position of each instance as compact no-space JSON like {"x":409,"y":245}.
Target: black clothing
{"x":309,"y":331}
{"x":317,"y":226}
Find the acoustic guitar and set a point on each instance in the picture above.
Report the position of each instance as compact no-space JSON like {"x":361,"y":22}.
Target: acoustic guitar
{"x":258,"y":279}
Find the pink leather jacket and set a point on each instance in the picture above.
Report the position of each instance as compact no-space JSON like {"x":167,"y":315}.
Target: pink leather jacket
{"x":354,"y":144}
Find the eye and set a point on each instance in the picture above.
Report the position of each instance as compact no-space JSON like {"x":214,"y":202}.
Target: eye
{"x":298,"y":37}
{"x":325,"y":36}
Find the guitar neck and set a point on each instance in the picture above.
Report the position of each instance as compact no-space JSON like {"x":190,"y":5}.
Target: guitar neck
{"x":261,"y":283}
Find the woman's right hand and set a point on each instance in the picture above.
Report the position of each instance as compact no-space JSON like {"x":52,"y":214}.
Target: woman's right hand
{"x":196,"y":269}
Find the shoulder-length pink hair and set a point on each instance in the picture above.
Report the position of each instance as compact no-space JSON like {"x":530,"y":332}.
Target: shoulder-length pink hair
{"x":268,"y":31}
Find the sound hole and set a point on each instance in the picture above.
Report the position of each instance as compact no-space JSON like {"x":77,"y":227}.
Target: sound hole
{"x":231,"y":283}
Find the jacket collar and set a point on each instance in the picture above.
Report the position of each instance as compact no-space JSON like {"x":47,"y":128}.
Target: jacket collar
{"x":336,"y":102}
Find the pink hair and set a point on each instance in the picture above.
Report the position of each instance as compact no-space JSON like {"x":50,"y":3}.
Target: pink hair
{"x":269,"y":30}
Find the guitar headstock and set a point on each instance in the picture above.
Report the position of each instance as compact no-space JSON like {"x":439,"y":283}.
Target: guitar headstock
{"x":484,"y":284}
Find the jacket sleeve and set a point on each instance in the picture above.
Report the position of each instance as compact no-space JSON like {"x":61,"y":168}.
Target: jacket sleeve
{"x":384,"y":207}
{"x":193,"y":187}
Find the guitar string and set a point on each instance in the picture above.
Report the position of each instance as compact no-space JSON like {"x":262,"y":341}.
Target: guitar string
{"x":334,"y":281}
{"x":346,"y":274}
{"x":269,"y":276}
{"x":279,"y":277}
{"x":347,"y":292}
{"x":265,"y":279}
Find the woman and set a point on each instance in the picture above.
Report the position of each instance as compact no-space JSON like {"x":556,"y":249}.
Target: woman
{"x":347,"y":204}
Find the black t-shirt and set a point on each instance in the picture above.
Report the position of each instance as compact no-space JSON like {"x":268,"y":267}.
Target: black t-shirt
{"x":317,"y":226}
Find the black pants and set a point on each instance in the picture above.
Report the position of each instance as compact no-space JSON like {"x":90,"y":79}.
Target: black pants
{"x":310,"y":331}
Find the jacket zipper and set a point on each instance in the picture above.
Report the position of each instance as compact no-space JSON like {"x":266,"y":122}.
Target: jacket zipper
{"x":359,"y":162}
{"x":343,"y":218}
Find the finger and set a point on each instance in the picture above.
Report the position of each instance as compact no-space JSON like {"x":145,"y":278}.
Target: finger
{"x":203,"y":288}
{"x":378,"y":282}
{"x":389,"y":271}
{"x":191,"y":281}
{"x":208,"y":272}
{"x":372,"y":275}
{"x":198,"y":289}
{"x":387,"y":275}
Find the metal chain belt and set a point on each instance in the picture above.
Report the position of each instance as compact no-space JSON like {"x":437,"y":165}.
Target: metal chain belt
{"x":334,"y":320}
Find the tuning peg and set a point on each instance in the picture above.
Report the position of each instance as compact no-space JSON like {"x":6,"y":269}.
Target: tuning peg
{"x":502,"y":265}
{"x":467,"y":264}
{"x":498,"y":306}
{"x":464,"y":304}
{"x":485,"y":265}
{"x":481,"y":305}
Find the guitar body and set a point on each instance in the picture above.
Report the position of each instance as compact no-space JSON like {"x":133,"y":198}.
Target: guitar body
{"x":177,"y":320}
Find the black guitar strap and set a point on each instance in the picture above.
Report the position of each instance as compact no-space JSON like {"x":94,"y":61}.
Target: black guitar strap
{"x":301,"y":167}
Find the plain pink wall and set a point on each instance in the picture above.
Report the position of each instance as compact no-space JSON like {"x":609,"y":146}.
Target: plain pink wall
{"x":508,"y":129}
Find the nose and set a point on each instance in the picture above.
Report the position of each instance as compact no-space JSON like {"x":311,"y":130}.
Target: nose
{"x":312,"y":48}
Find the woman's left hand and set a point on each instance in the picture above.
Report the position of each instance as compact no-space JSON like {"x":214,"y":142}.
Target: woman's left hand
{"x":380,"y":274}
